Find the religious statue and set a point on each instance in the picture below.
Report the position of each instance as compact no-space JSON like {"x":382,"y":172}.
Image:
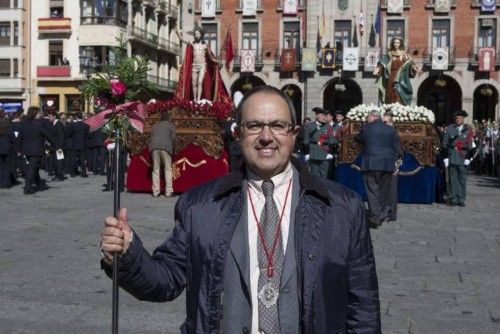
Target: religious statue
{"x":200,"y":77}
{"x":393,"y":72}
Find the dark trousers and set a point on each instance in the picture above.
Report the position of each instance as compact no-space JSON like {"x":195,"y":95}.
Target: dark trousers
{"x":378,"y":188}
{"x":458,"y":178}
{"x":68,"y":161}
{"x":392,"y":203}
{"x":79,"y":158}
{"x":57,"y":165}
{"x":32,"y":173}
{"x":97,"y":160}
{"x":5,"y":170}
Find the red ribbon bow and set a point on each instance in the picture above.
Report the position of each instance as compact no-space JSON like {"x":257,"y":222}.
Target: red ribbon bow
{"x":135,"y":111}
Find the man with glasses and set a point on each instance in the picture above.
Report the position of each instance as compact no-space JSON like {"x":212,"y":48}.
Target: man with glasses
{"x":267,"y":249}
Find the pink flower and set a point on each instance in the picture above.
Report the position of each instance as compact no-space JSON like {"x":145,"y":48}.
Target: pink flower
{"x":118,"y":88}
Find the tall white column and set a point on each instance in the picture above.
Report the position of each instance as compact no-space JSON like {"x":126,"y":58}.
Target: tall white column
{"x":12,"y":67}
{"x":11,"y":33}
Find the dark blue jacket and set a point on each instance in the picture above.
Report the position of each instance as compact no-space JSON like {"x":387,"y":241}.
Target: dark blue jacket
{"x":32,"y":138}
{"x":381,"y":146}
{"x":7,"y":138}
{"x":79,"y":132}
{"x":337,"y":281}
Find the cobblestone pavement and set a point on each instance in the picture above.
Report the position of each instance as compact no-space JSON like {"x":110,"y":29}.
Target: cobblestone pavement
{"x":438,"y":267}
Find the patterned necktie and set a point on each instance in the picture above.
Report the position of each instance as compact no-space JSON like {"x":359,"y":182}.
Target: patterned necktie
{"x":268,"y":288}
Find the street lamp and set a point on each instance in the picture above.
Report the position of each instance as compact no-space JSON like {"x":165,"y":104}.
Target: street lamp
{"x":88,"y":62}
{"x":88,"y":65}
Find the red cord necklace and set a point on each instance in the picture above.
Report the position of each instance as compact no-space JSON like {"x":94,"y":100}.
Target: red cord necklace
{"x":269,"y":255}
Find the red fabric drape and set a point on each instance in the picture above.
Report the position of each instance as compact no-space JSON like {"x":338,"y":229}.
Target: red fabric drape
{"x":191,"y":166}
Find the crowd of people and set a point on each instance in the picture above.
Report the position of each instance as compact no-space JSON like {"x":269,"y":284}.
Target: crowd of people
{"x":59,"y":143}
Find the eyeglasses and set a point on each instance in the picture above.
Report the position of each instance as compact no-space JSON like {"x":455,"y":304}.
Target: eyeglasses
{"x":281,"y":128}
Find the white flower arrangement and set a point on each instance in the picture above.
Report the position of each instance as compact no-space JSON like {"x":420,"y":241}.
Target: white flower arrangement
{"x":400,"y":113}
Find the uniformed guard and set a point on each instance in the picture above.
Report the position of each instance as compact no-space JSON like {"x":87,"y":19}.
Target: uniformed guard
{"x":458,"y":141}
{"x":318,"y":140}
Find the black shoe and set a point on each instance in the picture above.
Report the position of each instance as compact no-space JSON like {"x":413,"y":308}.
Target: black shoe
{"x":29,"y":192}
{"x":461,"y":204}
{"x":106,"y":188}
{"x":84,"y":175}
{"x":73,"y":175}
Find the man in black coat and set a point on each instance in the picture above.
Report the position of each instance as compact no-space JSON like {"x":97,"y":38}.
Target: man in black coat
{"x":79,"y":133}
{"x":7,"y":140}
{"x":32,"y":140}
{"x":57,"y":131}
{"x":381,"y":149}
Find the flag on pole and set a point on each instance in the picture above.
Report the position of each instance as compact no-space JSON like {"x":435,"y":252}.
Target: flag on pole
{"x":378,"y":21}
{"x":228,"y":47}
{"x":322,"y":23}
{"x":355,"y":37}
{"x":361,"y":21}
{"x":371,"y":38}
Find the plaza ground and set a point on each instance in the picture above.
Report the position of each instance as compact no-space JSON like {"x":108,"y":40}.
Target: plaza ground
{"x":438,"y":267}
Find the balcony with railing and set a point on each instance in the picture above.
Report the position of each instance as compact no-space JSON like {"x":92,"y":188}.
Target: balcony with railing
{"x":167,"y":45}
{"x":427,"y":57}
{"x":63,"y":71}
{"x":144,"y":36}
{"x":162,"y":83}
{"x":259,"y":58}
{"x":474,"y":57}
{"x":54,"y":25}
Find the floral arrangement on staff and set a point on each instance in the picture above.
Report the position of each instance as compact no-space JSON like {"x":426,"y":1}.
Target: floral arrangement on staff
{"x":119,"y":91}
{"x":400,"y":113}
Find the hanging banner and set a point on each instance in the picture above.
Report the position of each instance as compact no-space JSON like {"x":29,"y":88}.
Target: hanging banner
{"x":440,"y":59}
{"x":442,"y":6}
{"x":328,"y":58}
{"x":290,"y":7}
{"x":371,"y":59}
{"x":249,"y":7}
{"x":288,"y":60}
{"x":248,"y":60}
{"x":208,"y":8}
{"x":395,"y":6}
{"x":488,"y":5}
{"x":350,"y":59}
{"x":487,"y":59}
{"x":309,"y":60}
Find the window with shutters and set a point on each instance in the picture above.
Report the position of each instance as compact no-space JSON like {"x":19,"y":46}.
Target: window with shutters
{"x":342,"y":34}
{"x":291,"y":35}
{"x":4,"y":33}
{"x":4,"y":67}
{"x":250,"y":38}
{"x":210,"y":37}
{"x":487,"y":32}
{"x":441,"y":33}
{"x":395,"y":28}
{"x":55,"y":53}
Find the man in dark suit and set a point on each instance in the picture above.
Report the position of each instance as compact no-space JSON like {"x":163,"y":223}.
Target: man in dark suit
{"x":79,"y":134}
{"x":32,"y":140}
{"x":381,"y":147}
{"x":267,"y":249}
{"x":56,"y":129}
